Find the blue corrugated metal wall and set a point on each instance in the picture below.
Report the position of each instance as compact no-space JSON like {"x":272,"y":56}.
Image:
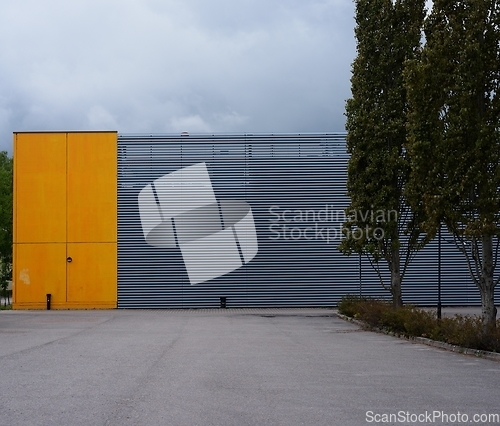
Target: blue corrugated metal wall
{"x":297,"y":262}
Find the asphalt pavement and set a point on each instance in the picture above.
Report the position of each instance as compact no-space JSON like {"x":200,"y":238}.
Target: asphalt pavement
{"x":230,"y":367}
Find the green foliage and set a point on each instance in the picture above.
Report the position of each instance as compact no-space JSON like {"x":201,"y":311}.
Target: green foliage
{"x":388,"y":34}
{"x":408,"y":320}
{"x":5,"y":277}
{"x":5,"y":221}
{"x":454,"y":120}
{"x":454,"y":133}
{"x":349,"y":305}
{"x":364,"y":309}
{"x":372,"y":311}
{"x":461,"y":330}
{"x":464,"y":331}
{"x":5,"y":204}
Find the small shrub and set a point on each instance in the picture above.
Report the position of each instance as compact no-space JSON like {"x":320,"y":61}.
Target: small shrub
{"x":373,"y":311}
{"x":464,"y":331}
{"x":409,"y":320}
{"x":420,"y":322}
{"x":349,"y":305}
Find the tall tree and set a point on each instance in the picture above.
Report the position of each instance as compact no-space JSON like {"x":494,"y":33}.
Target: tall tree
{"x":454,"y":141}
{"x":5,"y":220}
{"x":380,"y":224}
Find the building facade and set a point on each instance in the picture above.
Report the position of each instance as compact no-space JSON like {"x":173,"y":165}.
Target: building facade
{"x":104,"y":220}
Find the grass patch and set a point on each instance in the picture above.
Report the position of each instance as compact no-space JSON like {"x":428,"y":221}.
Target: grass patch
{"x":410,"y":321}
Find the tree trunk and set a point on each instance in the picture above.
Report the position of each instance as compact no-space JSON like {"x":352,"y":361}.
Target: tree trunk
{"x":487,"y":286}
{"x":397,"y":298}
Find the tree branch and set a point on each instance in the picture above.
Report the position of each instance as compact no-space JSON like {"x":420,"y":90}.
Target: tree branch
{"x":461,"y":247}
{"x":377,"y":270}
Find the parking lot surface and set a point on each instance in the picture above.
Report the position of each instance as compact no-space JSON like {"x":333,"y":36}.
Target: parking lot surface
{"x":228,"y":367}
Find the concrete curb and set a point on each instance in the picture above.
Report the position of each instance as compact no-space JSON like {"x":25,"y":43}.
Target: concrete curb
{"x":493,"y":356}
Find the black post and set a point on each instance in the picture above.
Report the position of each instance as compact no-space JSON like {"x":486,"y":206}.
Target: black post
{"x":49,"y":296}
{"x":439,"y":274}
{"x":223,"y":303}
{"x":360,"y":276}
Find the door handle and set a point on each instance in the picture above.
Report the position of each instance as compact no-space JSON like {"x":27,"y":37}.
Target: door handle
{"x":69,"y":259}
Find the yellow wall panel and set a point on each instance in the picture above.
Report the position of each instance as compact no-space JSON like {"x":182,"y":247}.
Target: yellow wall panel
{"x":92,"y":274}
{"x":39,"y":269}
{"x":65,"y":205}
{"x":92,"y":187}
{"x":40,"y":187}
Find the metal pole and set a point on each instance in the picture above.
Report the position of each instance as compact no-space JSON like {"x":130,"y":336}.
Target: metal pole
{"x":360,"y":276}
{"x":439,"y":274}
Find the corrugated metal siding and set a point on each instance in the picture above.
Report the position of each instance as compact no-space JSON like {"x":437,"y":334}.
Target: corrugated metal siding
{"x":274,"y":174}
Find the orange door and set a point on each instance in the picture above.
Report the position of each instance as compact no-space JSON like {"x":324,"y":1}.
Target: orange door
{"x":92,"y":174}
{"x":92,"y":219}
{"x":91,"y":269}
{"x":39,"y":269}
{"x":40,"y":188}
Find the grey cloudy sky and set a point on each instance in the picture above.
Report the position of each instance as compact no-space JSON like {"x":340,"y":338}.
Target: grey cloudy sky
{"x":167,"y":66}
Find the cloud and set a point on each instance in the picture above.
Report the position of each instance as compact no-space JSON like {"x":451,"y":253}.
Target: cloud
{"x":194,"y":123}
{"x":174,"y":65}
{"x":99,"y":117}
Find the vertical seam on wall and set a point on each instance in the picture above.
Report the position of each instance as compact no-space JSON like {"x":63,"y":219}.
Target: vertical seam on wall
{"x":66,"y":236}
{"x":14,"y":190}
{"x":157,"y":200}
{"x":175,"y":233}
{"x":238,"y":245}
{"x":221,"y":217}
